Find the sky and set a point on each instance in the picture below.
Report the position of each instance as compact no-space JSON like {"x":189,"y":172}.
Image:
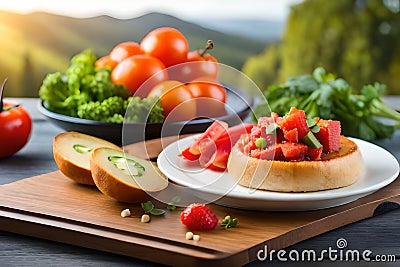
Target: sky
{"x":185,"y":9}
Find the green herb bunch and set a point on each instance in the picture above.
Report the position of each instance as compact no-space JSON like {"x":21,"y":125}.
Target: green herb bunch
{"x":322,"y":95}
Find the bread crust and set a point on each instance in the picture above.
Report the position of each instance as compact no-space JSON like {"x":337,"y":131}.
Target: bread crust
{"x":73,"y":171}
{"x":72,"y":168}
{"x":114,"y":188}
{"x":111,"y":182}
{"x":337,"y":169}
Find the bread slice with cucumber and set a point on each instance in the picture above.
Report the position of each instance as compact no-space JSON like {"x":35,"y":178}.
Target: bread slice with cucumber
{"x":125,"y":177}
{"x":72,"y":150}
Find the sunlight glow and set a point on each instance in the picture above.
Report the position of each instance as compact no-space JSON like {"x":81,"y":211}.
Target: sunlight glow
{"x":256,"y":9}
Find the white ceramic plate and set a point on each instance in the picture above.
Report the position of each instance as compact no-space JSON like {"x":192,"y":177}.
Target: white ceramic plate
{"x":382,"y":168}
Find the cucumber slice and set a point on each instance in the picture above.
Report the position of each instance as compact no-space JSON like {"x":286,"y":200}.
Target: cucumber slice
{"x":311,"y":141}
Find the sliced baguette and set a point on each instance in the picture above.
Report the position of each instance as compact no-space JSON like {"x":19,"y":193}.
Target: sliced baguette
{"x":73,"y":164}
{"x":124,"y":183}
{"x":337,"y":169}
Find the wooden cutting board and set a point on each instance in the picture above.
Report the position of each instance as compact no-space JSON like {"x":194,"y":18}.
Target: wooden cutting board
{"x":52,"y":207}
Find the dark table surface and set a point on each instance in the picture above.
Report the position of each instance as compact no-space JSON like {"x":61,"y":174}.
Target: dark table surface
{"x":380,"y":234}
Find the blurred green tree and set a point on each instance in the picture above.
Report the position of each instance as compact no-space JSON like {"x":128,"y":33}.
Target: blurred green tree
{"x":259,"y":68}
{"x":27,"y":76}
{"x":356,"y":39}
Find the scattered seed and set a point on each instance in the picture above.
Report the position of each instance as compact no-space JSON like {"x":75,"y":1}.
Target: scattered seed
{"x":196,"y":237}
{"x":145,"y":218}
{"x":125,"y":213}
{"x":189,"y":236}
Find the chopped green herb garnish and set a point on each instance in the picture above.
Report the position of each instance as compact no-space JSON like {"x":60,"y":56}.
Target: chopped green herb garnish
{"x":171,"y":205}
{"x":227,"y":222}
{"x":148,"y":207}
{"x":261,"y":142}
{"x":311,"y":122}
{"x":315,"y":129}
{"x":311,"y":141}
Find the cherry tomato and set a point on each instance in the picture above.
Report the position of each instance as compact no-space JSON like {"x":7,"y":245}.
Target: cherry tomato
{"x":135,"y":70}
{"x":125,"y":50}
{"x":176,"y":100}
{"x":210,"y":97}
{"x":195,"y":66}
{"x":167,"y":44}
{"x":15,"y":129}
{"x":105,"y":62}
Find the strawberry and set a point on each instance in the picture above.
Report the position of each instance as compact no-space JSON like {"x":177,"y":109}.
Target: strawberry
{"x":199,"y":217}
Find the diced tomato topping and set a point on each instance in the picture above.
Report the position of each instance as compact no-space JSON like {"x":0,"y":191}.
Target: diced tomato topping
{"x":294,"y":151}
{"x":295,"y":119}
{"x":329,"y":135}
{"x":273,"y":152}
{"x":268,"y":153}
{"x":255,"y":132}
{"x":286,"y":143}
{"x":250,"y":143}
{"x":314,"y":153}
{"x":279,"y":152}
{"x":255,"y":153}
{"x":291,"y":135}
{"x":270,"y":138}
{"x":280,"y":136}
{"x":265,"y":121}
{"x":275,"y":116}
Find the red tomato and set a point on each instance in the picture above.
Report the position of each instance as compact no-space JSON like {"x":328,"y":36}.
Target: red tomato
{"x":125,"y":50}
{"x":105,"y":62}
{"x":135,"y":70}
{"x":210,"y":97}
{"x":213,"y":132}
{"x":167,"y":44}
{"x":195,"y":66}
{"x":15,"y":129}
{"x":176,"y":100}
{"x":212,"y":148}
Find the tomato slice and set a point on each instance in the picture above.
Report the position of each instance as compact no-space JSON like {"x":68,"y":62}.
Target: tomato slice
{"x":225,"y":143}
{"x":189,"y":155}
{"x":220,"y":161}
{"x":213,"y":147}
{"x":216,"y":153}
{"x":216,"y":129}
{"x":208,"y":149}
{"x":233,"y":134}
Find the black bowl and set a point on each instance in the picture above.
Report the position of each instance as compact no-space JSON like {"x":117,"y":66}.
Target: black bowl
{"x":238,"y":107}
